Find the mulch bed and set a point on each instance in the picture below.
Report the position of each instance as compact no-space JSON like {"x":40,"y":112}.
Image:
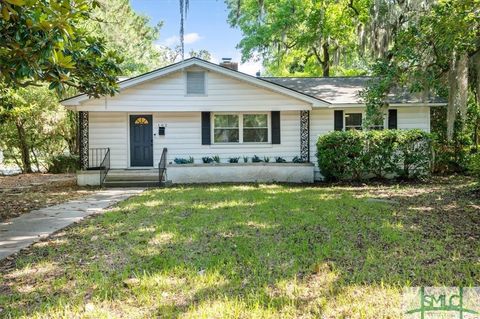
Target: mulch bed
{"x":23,"y":193}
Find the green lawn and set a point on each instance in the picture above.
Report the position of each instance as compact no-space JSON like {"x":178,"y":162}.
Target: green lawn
{"x":252,"y":251}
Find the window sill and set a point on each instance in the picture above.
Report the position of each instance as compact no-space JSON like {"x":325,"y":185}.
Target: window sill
{"x":241,"y":145}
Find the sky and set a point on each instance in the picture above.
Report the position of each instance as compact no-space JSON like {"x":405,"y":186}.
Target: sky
{"x":206,"y":28}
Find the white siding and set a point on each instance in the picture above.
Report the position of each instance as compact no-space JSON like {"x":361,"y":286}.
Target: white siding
{"x":183,"y":138}
{"x":168,"y":94}
{"x":321,"y":122}
{"x":110,"y":130}
{"x":414,"y":117}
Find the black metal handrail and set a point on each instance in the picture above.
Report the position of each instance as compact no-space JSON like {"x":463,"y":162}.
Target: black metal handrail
{"x":162,"y":166}
{"x":105,"y":167}
{"x":95,"y":157}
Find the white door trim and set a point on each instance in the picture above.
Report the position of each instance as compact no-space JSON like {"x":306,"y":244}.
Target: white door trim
{"x":129,"y":166}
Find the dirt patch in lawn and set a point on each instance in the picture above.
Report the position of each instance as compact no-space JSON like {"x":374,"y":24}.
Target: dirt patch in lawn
{"x":22,"y":193}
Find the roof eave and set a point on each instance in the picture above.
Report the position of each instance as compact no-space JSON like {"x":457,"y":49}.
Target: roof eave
{"x":347,"y":105}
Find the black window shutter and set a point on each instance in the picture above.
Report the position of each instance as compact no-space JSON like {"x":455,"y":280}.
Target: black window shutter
{"x":206,"y":135}
{"x":338,"y":120}
{"x":275,"y":127}
{"x":392,"y":119}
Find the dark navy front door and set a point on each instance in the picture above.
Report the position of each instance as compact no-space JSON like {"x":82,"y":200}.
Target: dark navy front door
{"x":141,"y":140}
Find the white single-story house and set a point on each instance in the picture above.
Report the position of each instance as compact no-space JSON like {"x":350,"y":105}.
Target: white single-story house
{"x":195,"y":109}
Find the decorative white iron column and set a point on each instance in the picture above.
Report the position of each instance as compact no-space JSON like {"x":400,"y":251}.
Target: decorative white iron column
{"x":83,"y":139}
{"x":305,"y":135}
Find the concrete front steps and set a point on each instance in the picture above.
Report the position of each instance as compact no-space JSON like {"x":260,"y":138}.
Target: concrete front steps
{"x":132,"y":178}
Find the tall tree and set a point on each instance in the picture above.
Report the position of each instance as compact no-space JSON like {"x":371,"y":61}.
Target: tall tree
{"x":44,"y":41}
{"x":300,"y":36}
{"x":33,"y":125}
{"x":130,"y":34}
{"x":201,"y":54}
{"x":434,"y":51}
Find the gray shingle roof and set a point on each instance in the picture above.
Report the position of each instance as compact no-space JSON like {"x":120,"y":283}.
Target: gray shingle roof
{"x":343,"y":90}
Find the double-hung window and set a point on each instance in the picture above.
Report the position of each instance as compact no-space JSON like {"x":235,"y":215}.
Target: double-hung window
{"x":241,"y":128}
{"x":226,"y":128}
{"x":255,"y":128}
{"x":353,"y":121}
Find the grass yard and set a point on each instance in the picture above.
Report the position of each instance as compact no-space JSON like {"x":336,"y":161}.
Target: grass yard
{"x":252,"y":251}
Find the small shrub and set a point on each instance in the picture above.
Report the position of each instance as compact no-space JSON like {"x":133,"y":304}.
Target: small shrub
{"x":207,"y":160}
{"x":256,"y":159}
{"x":297,"y":159}
{"x":266,"y":159}
{"x":190,"y":160}
{"x":245,"y":159}
{"x":64,"y":164}
{"x":340,"y":154}
{"x":233,"y":159}
{"x":279,"y":159}
{"x":216,"y":159}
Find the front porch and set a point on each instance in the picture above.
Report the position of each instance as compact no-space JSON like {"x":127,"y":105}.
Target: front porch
{"x":126,"y":155}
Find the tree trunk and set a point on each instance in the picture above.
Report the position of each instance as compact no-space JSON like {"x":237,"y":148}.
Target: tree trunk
{"x":452,"y":91}
{"x":476,"y":68}
{"x":24,"y":149}
{"x":458,"y":91}
{"x":326,"y":60}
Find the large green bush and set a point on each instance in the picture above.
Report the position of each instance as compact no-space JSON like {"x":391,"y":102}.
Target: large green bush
{"x":355,"y":155}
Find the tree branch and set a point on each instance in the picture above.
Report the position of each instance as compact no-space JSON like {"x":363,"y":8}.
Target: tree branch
{"x":351,"y":6}
{"x":317,"y":55}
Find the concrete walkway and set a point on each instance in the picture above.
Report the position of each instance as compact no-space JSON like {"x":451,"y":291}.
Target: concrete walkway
{"x":26,"y":229}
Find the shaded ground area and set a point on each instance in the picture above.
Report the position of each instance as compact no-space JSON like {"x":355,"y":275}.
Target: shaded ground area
{"x":25,"y":192}
{"x":253,"y":251}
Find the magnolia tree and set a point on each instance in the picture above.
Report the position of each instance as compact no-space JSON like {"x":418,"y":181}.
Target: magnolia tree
{"x":44,"y":41}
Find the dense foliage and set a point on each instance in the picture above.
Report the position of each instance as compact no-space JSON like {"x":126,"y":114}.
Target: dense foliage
{"x":435,"y":51}
{"x":301,"y":37}
{"x":34,"y":127}
{"x":44,"y":41}
{"x":130,"y":35}
{"x":356,"y":155}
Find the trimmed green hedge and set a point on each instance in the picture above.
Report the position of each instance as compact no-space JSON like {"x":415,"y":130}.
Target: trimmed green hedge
{"x":356,"y":155}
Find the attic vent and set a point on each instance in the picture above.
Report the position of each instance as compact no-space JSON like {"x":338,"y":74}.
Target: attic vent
{"x":195,"y":83}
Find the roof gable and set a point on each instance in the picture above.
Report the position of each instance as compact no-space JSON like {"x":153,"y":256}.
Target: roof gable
{"x":192,"y":62}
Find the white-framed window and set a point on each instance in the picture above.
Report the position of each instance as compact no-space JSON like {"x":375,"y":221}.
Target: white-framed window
{"x":255,"y":128}
{"x":353,"y":121}
{"x":226,"y":128}
{"x":241,"y":128}
{"x":195,"y":82}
